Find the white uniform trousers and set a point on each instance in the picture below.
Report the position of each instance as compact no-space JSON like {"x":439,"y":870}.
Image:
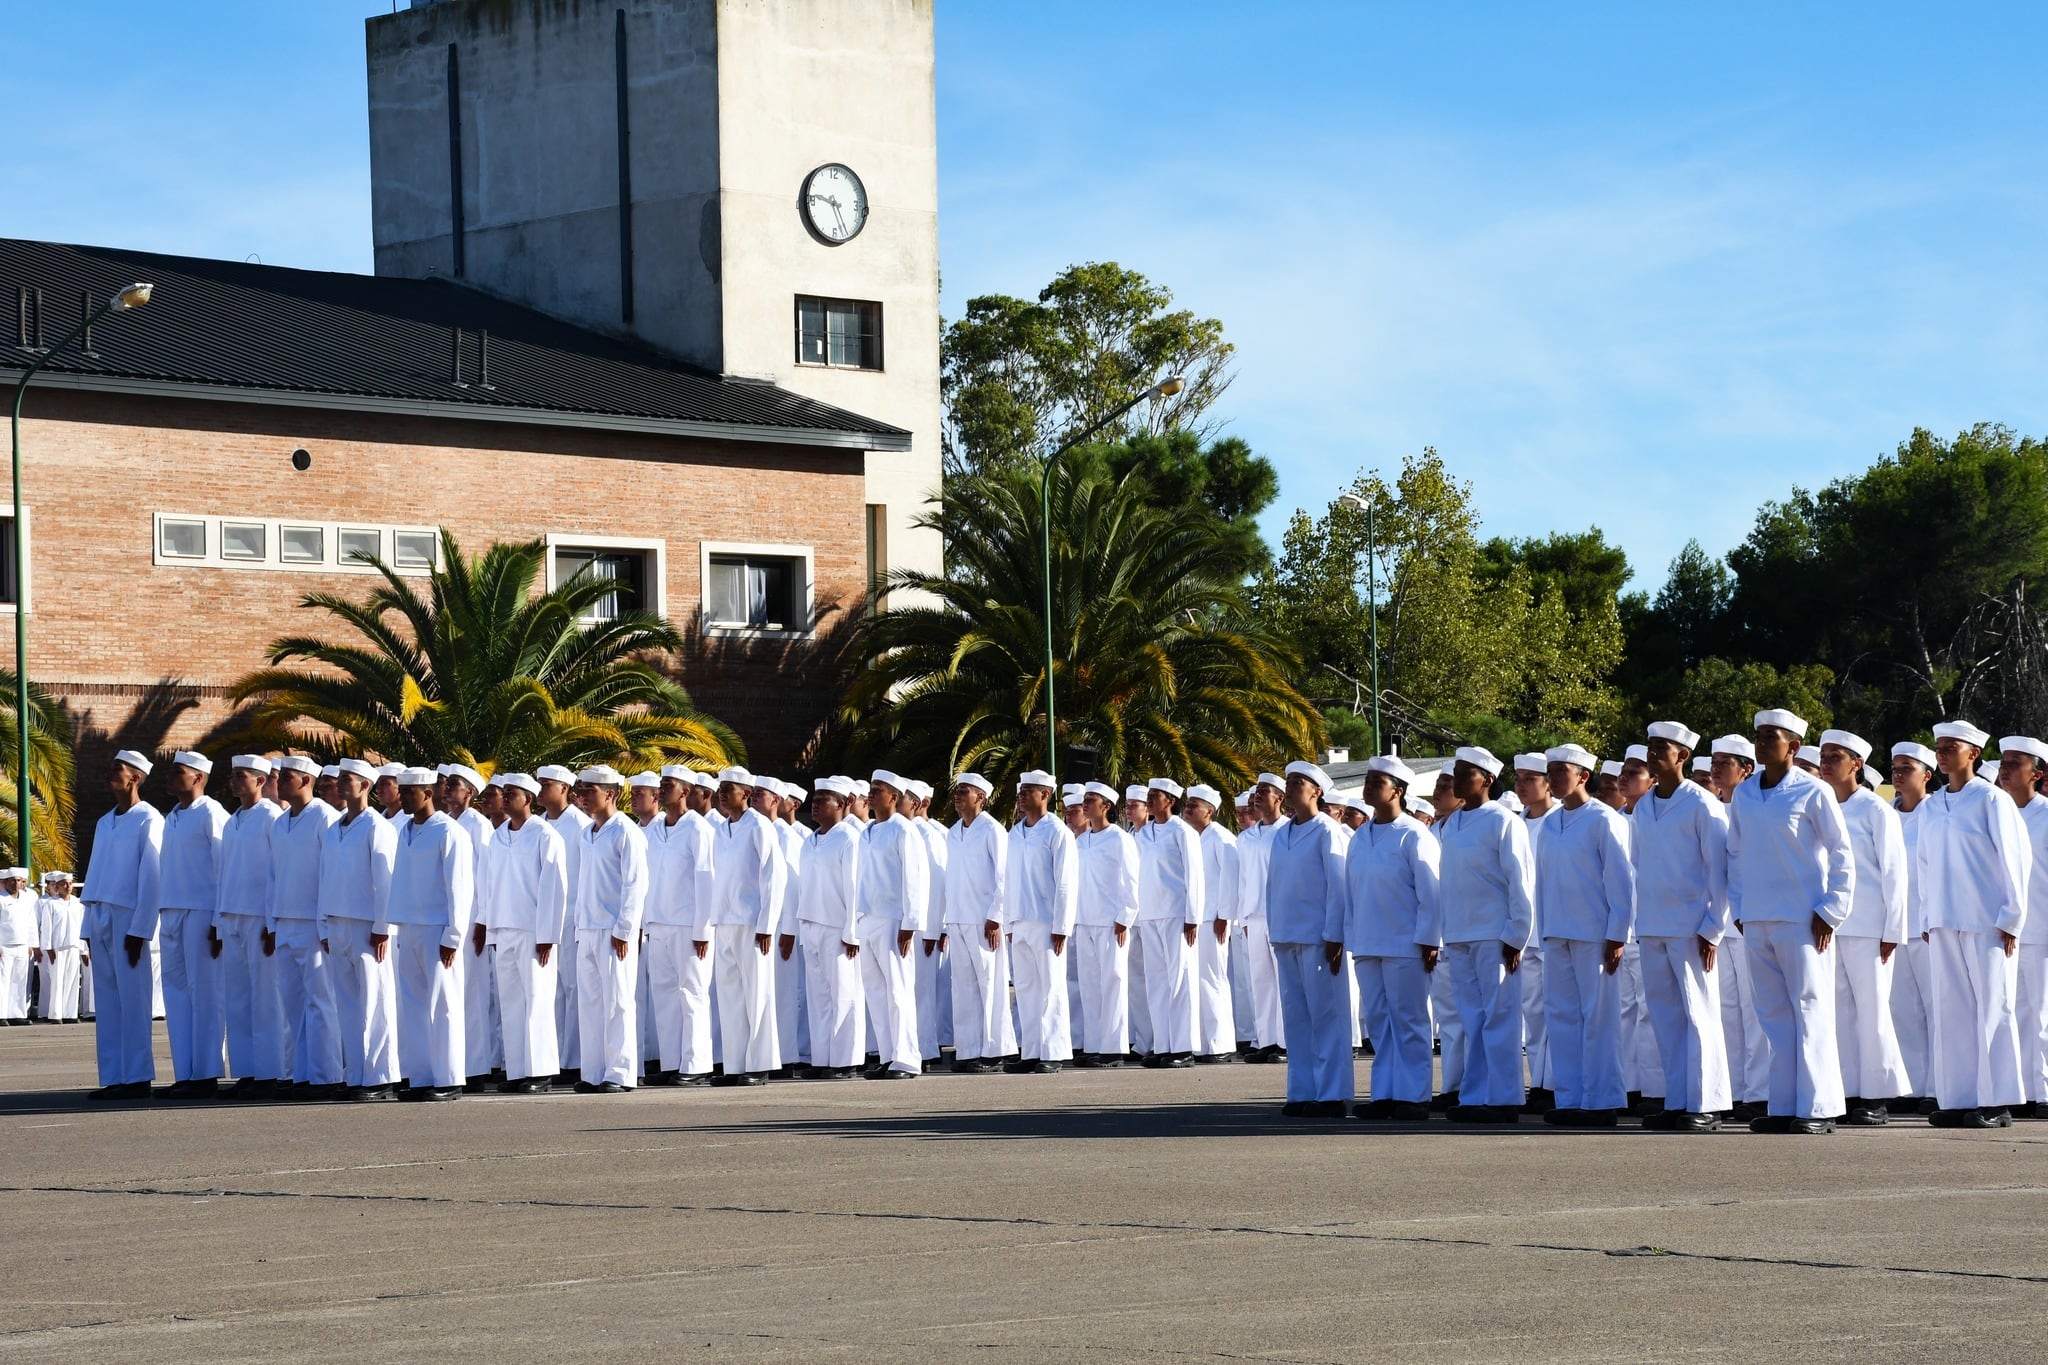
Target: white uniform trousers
{"x":1043,"y":1033}
{"x":1685,"y":1010}
{"x":1584,"y":1004}
{"x":568,"y":1019}
{"x":1240,"y":988}
{"x":85,"y":991}
{"x":833,"y":993}
{"x":1795,"y":1003}
{"x":484,"y":1048}
{"x":890,"y":982}
{"x":1488,"y":1001}
{"x":1215,"y":1015}
{"x":1262,"y":976}
{"x":1351,"y":1000}
{"x":193,"y":1014}
{"x":926,"y":960}
{"x":1749,"y":1052}
{"x":365,"y":1002}
{"x":14,"y":965}
{"x":430,"y":1016}
{"x":120,"y":999}
{"x":526,"y":1004}
{"x":1449,"y":1026}
{"x":1077,"y":1015}
{"x":679,"y":997}
{"x":1912,"y":1020}
{"x":59,"y":979}
{"x":1536,"y":1019}
{"x":643,"y":1010}
{"x":259,"y":1036}
{"x":610,"y":1030}
{"x":1169,"y":985}
{"x":1393,"y":997}
{"x":792,"y":1024}
{"x":1872,"y":1067}
{"x":1642,"y":1069}
{"x":1976,"y":1029}
{"x":306,"y":997}
{"x":1137,"y":999}
{"x":980,"y":991}
{"x":1103,"y":965}
{"x":745,"y":984}
{"x":1316,"y":1006}
{"x":2030,"y":1013}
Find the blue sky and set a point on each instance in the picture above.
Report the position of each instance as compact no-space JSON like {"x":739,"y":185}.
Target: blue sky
{"x":1627,"y":265}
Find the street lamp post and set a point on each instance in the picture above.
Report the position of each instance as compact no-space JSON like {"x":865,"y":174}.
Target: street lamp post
{"x":1372,"y":605}
{"x":1165,"y":388}
{"x":133,"y":296}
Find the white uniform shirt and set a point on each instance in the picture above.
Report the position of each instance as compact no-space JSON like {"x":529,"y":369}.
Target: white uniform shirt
{"x":1391,"y":875}
{"x":1220,"y":894}
{"x":2034,"y":815}
{"x":1909,"y":830}
{"x":18,"y":920}
{"x":895,"y":872}
{"x":679,"y":870}
{"x":934,"y":835}
{"x":827,"y":888}
{"x":1973,"y":861}
{"x":126,"y":855}
{"x":433,"y":878}
{"x":1788,"y":852}
{"x":190,"y":868}
{"x":1488,"y":887}
{"x":1878,"y":908}
{"x":247,"y":870}
{"x":1043,"y":881}
{"x":1109,"y":878}
{"x":1305,"y":888}
{"x":1585,"y":881}
{"x":1254,"y":849}
{"x":1681,"y":855}
{"x":295,"y":849}
{"x":749,"y":875}
{"x":60,"y":922}
{"x":611,"y":880}
{"x":526,"y":882}
{"x":1170,"y":882}
{"x":977,"y":859}
{"x":356,"y":858}
{"x":570,"y":824}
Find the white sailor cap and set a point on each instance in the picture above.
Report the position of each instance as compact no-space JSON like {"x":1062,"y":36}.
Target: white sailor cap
{"x":1988,"y":770}
{"x":1313,"y":772}
{"x":1336,"y":801}
{"x":1611,"y":768}
{"x":1964,"y":731}
{"x":19,"y":874}
{"x":193,"y":759}
{"x":1810,"y":753}
{"x":1781,"y":718}
{"x":1869,"y":776}
{"x":1420,"y":804}
{"x":737,"y":776}
{"x":1512,"y":802}
{"x":1167,"y":785}
{"x":520,"y":782}
{"x":355,"y":767}
{"x":1202,"y":791}
{"x":54,"y":876}
{"x":792,"y":792}
{"x":295,"y":763}
{"x":918,"y":788}
{"x":1273,"y":780}
{"x":1573,"y":754}
{"x":1919,"y":753}
{"x":417,"y":777}
{"x":1103,"y":790}
{"x":1480,"y":758}
{"x":255,"y":763}
{"x":1392,"y":767}
{"x":1639,"y":753}
{"x":331,"y":770}
{"x":680,"y":772}
{"x":468,"y":774}
{"x":1036,"y":777}
{"x":1703,"y":765}
{"x":1531,"y":763}
{"x":1678,"y":734}
{"x":1855,"y":744}
{"x":651,"y":781}
{"x":601,"y":775}
{"x":391,"y":770}
{"x":138,"y":761}
{"x":1244,"y":798}
{"x":2024,"y":744}
{"x":1071,"y":794}
{"x":1135,"y":792}
{"x":1736,"y":746}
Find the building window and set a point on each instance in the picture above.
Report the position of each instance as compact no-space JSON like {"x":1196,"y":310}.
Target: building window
{"x":10,"y":591}
{"x":358,"y":544}
{"x":302,"y":544}
{"x":187,"y":541}
{"x":243,"y":540}
{"x":414,"y":549}
{"x":757,"y":587}
{"x":846,"y":333}
{"x":627,"y":568}
{"x":181,"y":539}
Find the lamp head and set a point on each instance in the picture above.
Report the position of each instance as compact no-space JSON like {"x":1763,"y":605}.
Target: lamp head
{"x":1362,"y":504}
{"x":132,"y":296}
{"x":1168,"y":387}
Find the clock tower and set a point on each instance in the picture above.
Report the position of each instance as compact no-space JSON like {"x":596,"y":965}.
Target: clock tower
{"x":749,"y":185}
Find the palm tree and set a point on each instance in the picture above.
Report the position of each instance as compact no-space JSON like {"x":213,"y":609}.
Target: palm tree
{"x":52,"y":805}
{"x":1164,"y":669}
{"x":485,"y":671}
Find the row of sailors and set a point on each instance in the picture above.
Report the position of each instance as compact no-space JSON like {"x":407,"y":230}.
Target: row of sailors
{"x":42,"y":944}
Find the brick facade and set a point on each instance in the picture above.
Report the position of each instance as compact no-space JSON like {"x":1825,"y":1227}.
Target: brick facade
{"x":144,"y":652}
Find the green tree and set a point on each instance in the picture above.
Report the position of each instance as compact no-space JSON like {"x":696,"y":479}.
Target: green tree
{"x":1162,"y":666}
{"x":52,"y":803}
{"x":483,"y":670}
{"x":1719,"y":697}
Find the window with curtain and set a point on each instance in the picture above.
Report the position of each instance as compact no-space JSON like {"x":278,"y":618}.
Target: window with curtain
{"x":755,"y":592}
{"x":627,"y":568}
{"x":846,"y":333}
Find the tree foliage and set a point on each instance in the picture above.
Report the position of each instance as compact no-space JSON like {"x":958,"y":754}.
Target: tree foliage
{"x":52,"y":801}
{"x":481,"y":669}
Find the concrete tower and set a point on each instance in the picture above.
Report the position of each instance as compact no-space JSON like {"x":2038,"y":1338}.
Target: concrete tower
{"x":750,"y":185}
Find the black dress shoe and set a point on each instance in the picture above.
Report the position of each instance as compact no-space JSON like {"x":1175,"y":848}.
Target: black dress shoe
{"x":476,"y":1085}
{"x":1771,"y":1123}
{"x":569,"y":1075}
{"x":510,"y":1087}
{"x":439,"y":1094}
{"x":1445,"y":1102}
{"x":1564,"y":1118}
{"x":663,"y":1078}
{"x":1542,"y":1099}
{"x":974,"y":1066}
{"x":319,"y":1093}
{"x":1639,"y":1105}
{"x":1034,"y":1067}
{"x":1155,"y":1060}
{"x":1950,"y":1118}
{"x":1867,"y":1116}
{"x":889,"y":1074}
{"x":1665,"y":1121}
{"x":1214,"y":1058}
{"x":1989,"y":1117}
{"x":1810,"y":1127}
{"x":1374,"y":1109}
{"x":585,"y":1088}
{"x":1748,"y":1110}
{"x":1327,"y":1109}
{"x":609,"y":1088}
{"x":1410,"y":1111}
{"x":1177,"y":1061}
{"x":1697,"y":1123}
{"x":1263,"y":1056}
{"x":1294,"y":1109}
{"x":693,"y":1079}
{"x":372,"y":1094}
{"x":131,"y":1090}
{"x":1485,"y":1113}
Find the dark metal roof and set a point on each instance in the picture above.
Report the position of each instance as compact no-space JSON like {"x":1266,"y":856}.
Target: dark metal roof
{"x":307,"y":338}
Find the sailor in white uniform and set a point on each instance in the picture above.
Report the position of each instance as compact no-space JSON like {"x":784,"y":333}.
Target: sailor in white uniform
{"x":1041,"y":897}
{"x":357,"y":853}
{"x":526,"y":887}
{"x":894,"y":899}
{"x":1866,"y":945}
{"x":1913,"y":772}
{"x":257,"y":1032}
{"x":1305,"y":904}
{"x":1394,"y":931}
{"x":190,"y":877}
{"x":826,"y":893}
{"x":1215,"y":1018}
{"x":976,"y":875}
{"x":1488,"y":898}
{"x":427,"y":915}
{"x":1171,"y":894}
{"x":1108,"y":908}
{"x":121,"y":903}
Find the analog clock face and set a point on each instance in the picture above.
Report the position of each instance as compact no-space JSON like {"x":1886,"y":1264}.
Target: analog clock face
{"x":834,"y":204}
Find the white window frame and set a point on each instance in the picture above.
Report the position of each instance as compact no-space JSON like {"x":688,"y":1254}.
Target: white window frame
{"x":804,"y":553}
{"x":27,"y":561}
{"x":273,"y":560}
{"x":655,"y":548}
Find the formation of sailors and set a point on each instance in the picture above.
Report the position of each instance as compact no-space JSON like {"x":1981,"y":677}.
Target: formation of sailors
{"x":1751,"y":931}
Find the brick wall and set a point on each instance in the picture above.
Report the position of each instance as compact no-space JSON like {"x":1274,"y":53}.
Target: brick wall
{"x":144,"y":652}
